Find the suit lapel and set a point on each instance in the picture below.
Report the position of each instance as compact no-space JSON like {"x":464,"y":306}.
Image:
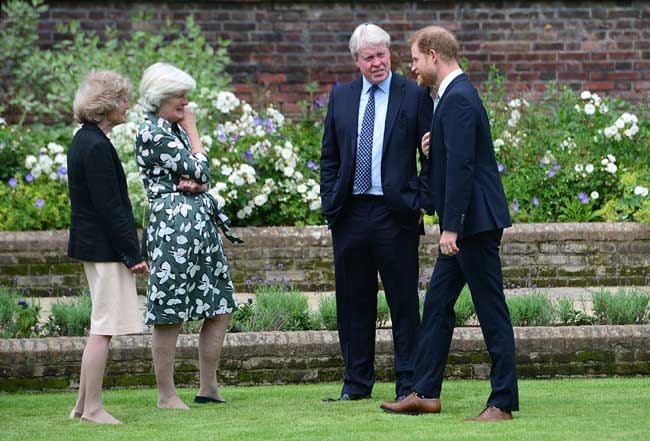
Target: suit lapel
{"x":353,"y":105}
{"x":455,"y":81}
{"x":395,"y":98}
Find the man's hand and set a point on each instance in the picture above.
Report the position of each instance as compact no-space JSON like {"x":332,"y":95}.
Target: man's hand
{"x":425,"y":144}
{"x":190,"y":186}
{"x":140,"y":268}
{"x":448,"y":245}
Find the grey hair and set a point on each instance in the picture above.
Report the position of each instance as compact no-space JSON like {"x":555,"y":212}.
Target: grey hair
{"x":370,"y":34}
{"x":161,"y":81}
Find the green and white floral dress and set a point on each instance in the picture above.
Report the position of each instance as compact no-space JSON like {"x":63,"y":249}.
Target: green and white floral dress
{"x":189,"y":277}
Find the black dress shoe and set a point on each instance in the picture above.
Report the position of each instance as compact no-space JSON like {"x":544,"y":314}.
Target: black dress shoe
{"x":204,"y":400}
{"x":347,"y":397}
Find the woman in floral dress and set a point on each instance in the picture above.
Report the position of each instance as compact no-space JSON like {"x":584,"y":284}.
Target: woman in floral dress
{"x":189,"y":273}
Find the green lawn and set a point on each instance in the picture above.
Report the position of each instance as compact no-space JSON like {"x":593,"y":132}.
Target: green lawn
{"x":562,"y":410}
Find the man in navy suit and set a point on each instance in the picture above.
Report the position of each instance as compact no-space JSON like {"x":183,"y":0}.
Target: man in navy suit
{"x":464,"y":188}
{"x":370,"y":197}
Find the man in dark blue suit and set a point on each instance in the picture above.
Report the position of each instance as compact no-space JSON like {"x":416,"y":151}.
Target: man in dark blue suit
{"x":464,"y":188}
{"x":370,"y":197}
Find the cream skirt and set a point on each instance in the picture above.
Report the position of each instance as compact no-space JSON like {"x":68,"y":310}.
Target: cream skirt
{"x":115,"y":306}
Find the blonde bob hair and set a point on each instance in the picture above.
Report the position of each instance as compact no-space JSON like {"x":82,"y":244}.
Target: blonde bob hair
{"x":99,"y":94}
{"x":161,"y":81}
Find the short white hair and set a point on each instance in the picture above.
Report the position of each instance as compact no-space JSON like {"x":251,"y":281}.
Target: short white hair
{"x":161,"y":81}
{"x":369,"y":34}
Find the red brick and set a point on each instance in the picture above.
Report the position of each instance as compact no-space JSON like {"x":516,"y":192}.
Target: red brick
{"x":599,"y":85}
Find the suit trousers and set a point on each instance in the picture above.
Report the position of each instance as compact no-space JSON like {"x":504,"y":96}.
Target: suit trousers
{"x":477,"y":263}
{"x":369,"y":239}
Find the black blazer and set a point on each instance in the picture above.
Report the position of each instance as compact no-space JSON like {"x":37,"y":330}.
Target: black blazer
{"x":462,"y":178}
{"x":102,"y":228}
{"x":408,"y":117}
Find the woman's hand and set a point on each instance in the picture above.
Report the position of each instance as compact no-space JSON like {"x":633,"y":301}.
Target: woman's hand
{"x":189,"y":120}
{"x":140,"y":268}
{"x":190,"y":186}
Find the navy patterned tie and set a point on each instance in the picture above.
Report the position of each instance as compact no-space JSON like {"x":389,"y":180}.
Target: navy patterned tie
{"x":363,"y":171}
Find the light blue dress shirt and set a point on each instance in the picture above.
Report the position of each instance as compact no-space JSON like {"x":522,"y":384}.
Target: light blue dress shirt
{"x":381,"y":108}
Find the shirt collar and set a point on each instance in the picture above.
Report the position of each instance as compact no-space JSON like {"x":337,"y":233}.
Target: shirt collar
{"x":384,"y":86}
{"x":448,"y":79}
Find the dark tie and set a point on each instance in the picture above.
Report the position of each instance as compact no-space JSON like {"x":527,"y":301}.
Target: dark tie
{"x":363,"y":170}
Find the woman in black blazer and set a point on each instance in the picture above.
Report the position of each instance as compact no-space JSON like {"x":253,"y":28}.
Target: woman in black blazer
{"x":102,"y":232}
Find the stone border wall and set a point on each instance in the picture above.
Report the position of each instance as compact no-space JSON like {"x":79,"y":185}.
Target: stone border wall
{"x":314,"y":356}
{"x":572,"y":254}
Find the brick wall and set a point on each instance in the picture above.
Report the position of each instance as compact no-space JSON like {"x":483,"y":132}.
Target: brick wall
{"x":278,"y":46}
{"x":314,"y":356}
{"x":590,"y":254}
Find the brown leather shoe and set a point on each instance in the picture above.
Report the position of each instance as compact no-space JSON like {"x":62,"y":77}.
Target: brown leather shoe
{"x":412,"y":405}
{"x":490,"y":414}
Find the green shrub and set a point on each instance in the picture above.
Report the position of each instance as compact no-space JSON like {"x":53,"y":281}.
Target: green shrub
{"x":70,"y":318}
{"x":243,"y":317}
{"x":18,"y":318}
{"x":625,"y":307}
{"x":464,"y":308}
{"x":567,"y":315}
{"x":327,"y":312}
{"x":533,"y":309}
{"x":278,"y":308}
{"x":383,"y":311}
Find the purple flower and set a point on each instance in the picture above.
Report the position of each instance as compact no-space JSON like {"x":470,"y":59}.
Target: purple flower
{"x":542,"y":164}
{"x":248,"y":156}
{"x":550,"y":173}
{"x":13,"y":183}
{"x":319,"y":102}
{"x":515,"y":205}
{"x":583,"y":198}
{"x":40,"y":203}
{"x":311,"y":165}
{"x":535,"y":201}
{"x":29,"y":177}
{"x":257,"y":121}
{"x":23,"y":304}
{"x":501,"y":167}
{"x":62,"y":170}
{"x":556,"y":167}
{"x":280,"y":266}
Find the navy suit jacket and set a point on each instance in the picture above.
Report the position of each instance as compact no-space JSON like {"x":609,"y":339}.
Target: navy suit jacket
{"x":408,"y":117}
{"x":461,"y":177}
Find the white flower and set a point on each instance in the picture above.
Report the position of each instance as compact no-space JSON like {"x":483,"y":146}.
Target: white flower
{"x":45,"y":162}
{"x":288,"y":172}
{"x":603,"y":109}
{"x":226,"y":170}
{"x":585,"y":95}
{"x":30,"y":161}
{"x":301,"y":188}
{"x":610,"y":131}
{"x":314,"y":205}
{"x":611,"y":158}
{"x":589,"y":168}
{"x":611,"y":168}
{"x":248,"y":210}
{"x":260,"y":199}
{"x":639,"y":190}
{"x":594,"y":195}
{"x":241,"y":214}
{"x":590,"y":109}
{"x":579,"y":168}
{"x":578,"y":108}
{"x":620,"y":123}
{"x":36,"y":172}
{"x":604,"y":161}
{"x":632,"y":131}
{"x":3,"y":122}
{"x":498,"y":143}
{"x":515,"y":103}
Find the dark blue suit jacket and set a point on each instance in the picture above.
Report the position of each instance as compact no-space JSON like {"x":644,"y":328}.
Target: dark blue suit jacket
{"x":462,"y":179}
{"x":408,"y":117}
